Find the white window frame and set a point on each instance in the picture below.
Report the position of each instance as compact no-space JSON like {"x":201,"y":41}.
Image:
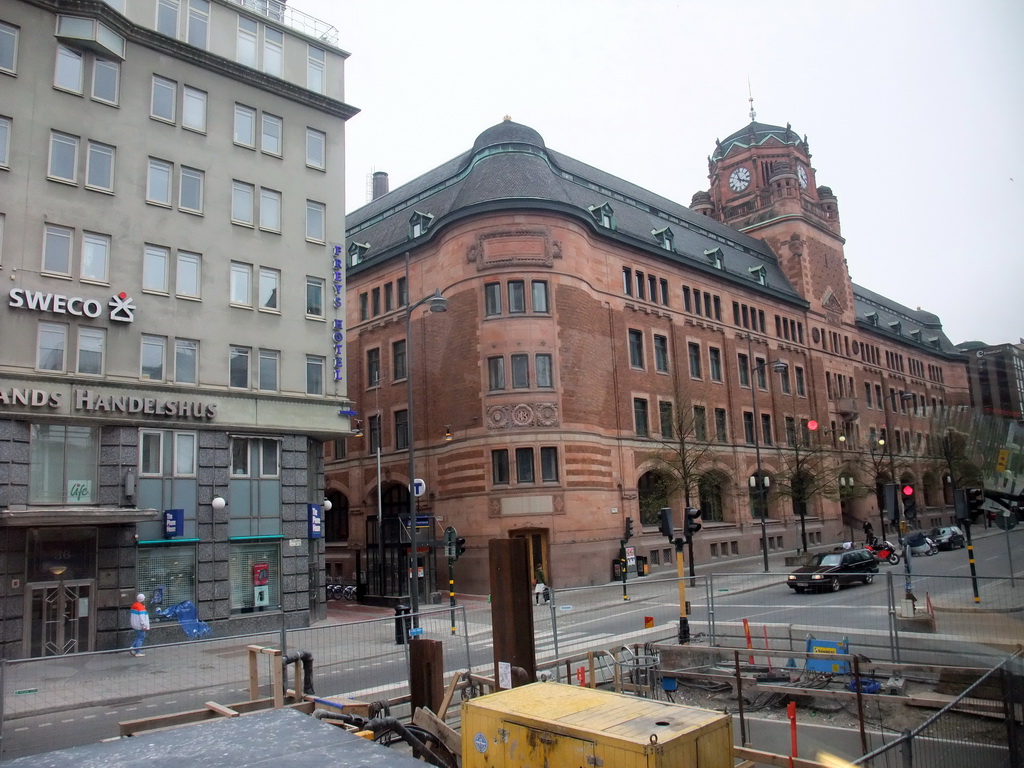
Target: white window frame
{"x":270,"y":286}
{"x":155,"y":257}
{"x":167,"y":169}
{"x":198,"y":11}
{"x":244,"y":131}
{"x":75,"y":59}
{"x":242,"y":188}
{"x":58,"y":329}
{"x":62,"y":140}
{"x":316,"y":69}
{"x":184,"y":345}
{"x":270,"y":210}
{"x":9,"y":32}
{"x":190,"y":179}
{"x":315,"y":366}
{"x":273,"y":51}
{"x":6,"y":129}
{"x":241,"y":276}
{"x":247,"y":41}
{"x":272,"y":120}
{"x":67,"y":238}
{"x":166,"y":85}
{"x":320,"y":285}
{"x":96,"y":338}
{"x":174,"y":7}
{"x":94,"y":150}
{"x":320,"y":210}
{"x":269,"y":356}
{"x":151,"y":444}
{"x":114,"y":66}
{"x":191,"y":265}
{"x":180,"y":467}
{"x":235,"y":351}
{"x":197,"y":98}
{"x":151,"y":342}
{"x":95,"y":246}
{"x":316,"y":160}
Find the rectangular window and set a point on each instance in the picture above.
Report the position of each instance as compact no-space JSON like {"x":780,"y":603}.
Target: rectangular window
{"x":499,"y":467}
{"x":516,"y":296}
{"x":198,"y":22}
{"x":95,"y":256}
{"x":63,"y":157}
{"x":158,"y":182}
{"x":8,"y":48}
{"x":492,"y":299}
{"x":268,"y":372}
{"x":186,"y":361}
{"x":364,"y":306}
{"x":663,"y":285}
{"x":544,"y":370}
{"x":549,"y":465}
{"x":767,"y":436}
{"x":389,"y":298}
{"x":640,"y":286}
{"x":246,"y":44}
{"x":51,"y":346}
{"x":172,"y":568}
{"x":402,"y":430}
{"x":667,"y":419}
{"x":69,"y":70}
{"x":154,"y":268}
{"x":245,"y":126}
{"x":316,"y":216}
{"x":242,"y":198}
{"x":520,"y":371}
{"x":152,"y":358}
{"x":270,"y":210}
{"x":790,"y":431}
{"x":627,"y":281}
{"x":700,"y":423}
{"x":316,"y":65}
{"x":5,"y":142}
{"x":314,"y":375}
{"x":273,"y":51}
{"x":238,"y":367}
{"x":715,"y":360}
{"x":163,"y":99}
{"x":90,"y":350}
{"x":375,"y":301}
{"x":636,"y":348}
{"x":272,"y":135}
{"x":402,"y":289}
{"x":524,"y":465}
{"x":539,"y":289}
{"x":694,"y":349}
{"x":748,"y":427}
{"x":99,"y":167}
{"x":193,"y":109}
{"x":241,"y":284}
{"x":721,"y":432}
{"x":762,"y":379}
{"x":800,"y":389}
{"x":372,"y":367}
{"x":315,"y":296}
{"x":151,"y":461}
{"x":62,"y":464}
{"x":640,"y":416}
{"x":316,"y":148}
{"x":190,"y":190}
{"x":661,"y":353}
{"x":244,"y":556}
{"x":167,"y":17}
{"x":106,"y":77}
{"x":495,"y":373}
{"x":375,"y":433}
{"x":188,"y":275}
{"x":784,"y":379}
{"x":57,"y":250}
{"x":398,"y":359}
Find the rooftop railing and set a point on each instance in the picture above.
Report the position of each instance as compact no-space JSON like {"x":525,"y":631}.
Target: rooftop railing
{"x":297,"y":20}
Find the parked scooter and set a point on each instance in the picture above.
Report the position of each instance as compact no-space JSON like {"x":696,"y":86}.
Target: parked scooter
{"x":919,"y":544}
{"x":884,"y":551}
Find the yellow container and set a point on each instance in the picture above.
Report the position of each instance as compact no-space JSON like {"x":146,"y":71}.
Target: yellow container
{"x":551,"y":725}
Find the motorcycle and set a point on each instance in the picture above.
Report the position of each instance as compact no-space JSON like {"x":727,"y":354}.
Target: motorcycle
{"x":884,"y":551}
{"x":919,"y":544}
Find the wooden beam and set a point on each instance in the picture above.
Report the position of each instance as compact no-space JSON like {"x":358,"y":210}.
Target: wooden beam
{"x":428,"y":721}
{"x":446,"y":700}
{"x":780,"y":761}
{"x":220,"y":709}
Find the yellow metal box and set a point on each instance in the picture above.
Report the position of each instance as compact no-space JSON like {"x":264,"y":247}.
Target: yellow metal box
{"x":552,"y":725}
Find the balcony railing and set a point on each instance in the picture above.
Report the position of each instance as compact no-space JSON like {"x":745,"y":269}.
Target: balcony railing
{"x":297,"y":20}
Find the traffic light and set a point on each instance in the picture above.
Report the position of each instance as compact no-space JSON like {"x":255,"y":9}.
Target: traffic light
{"x":975,"y":501}
{"x":629,"y":528}
{"x":460,"y":547}
{"x":909,"y":502}
{"x":665,"y":527}
{"x":691,"y":523}
{"x":892,"y":501}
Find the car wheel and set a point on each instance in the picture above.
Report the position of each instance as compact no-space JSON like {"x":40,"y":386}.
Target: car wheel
{"x":834,"y":584}
{"x":869,"y":578}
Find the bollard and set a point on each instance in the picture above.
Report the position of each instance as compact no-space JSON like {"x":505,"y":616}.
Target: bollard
{"x":403,"y":623}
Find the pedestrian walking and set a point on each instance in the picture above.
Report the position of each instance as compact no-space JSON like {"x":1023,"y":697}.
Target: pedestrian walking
{"x":869,"y":532}
{"x":540,"y":587}
{"x":140,"y":623}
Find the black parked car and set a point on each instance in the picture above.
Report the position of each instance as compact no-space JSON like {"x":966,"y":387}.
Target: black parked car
{"x":949,"y":537}
{"x":832,"y":570}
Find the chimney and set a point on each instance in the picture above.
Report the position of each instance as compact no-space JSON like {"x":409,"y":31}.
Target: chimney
{"x":380,"y":184}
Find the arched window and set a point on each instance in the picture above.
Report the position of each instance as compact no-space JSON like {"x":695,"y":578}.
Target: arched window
{"x":709,"y":487}
{"x":652,"y":490}
{"x":336,"y":521}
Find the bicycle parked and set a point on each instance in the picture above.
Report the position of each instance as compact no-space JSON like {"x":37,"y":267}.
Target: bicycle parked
{"x":338,"y":590}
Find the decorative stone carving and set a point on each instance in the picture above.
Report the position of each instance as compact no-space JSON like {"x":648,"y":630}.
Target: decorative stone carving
{"x":526,"y":247}
{"x":519,"y":415}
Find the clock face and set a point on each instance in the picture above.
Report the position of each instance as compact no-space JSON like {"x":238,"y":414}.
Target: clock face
{"x":739,"y":179}
{"x":801,"y":176}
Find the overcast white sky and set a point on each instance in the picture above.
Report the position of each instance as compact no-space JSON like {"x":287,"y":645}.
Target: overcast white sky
{"x":913,"y":111}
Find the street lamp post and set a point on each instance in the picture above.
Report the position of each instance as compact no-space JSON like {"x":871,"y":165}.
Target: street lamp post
{"x":436,"y":303}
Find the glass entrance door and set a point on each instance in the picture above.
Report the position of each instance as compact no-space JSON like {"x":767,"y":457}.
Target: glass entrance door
{"x":60,"y":618}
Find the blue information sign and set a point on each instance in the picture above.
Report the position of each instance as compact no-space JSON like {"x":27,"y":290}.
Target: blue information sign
{"x":174,"y":523}
{"x":316,"y":521}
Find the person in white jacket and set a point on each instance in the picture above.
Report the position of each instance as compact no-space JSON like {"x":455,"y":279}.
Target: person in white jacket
{"x":140,"y":623}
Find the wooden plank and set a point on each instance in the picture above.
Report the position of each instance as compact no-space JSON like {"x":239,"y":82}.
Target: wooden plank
{"x":254,"y":672}
{"x":277,"y":681}
{"x":830,"y":692}
{"x":446,"y":700}
{"x":428,"y":721}
{"x":220,"y":709}
{"x":781,"y":761}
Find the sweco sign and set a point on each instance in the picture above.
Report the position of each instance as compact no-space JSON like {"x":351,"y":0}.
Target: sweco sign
{"x":122,"y":306}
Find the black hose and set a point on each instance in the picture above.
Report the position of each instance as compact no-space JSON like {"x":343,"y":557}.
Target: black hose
{"x":307,"y":670}
{"x":382,"y":725}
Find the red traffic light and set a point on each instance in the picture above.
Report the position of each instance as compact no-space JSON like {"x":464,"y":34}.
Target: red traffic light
{"x":908,"y":490}
{"x":812,"y":425}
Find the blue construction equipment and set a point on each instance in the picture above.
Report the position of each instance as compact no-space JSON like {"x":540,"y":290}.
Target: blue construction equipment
{"x":828,"y":646}
{"x":187,"y":615}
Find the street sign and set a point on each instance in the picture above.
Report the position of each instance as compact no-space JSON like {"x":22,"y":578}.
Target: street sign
{"x":1007,"y":520}
{"x":1003,"y":460}
{"x":450,"y":535}
{"x":419,"y":487}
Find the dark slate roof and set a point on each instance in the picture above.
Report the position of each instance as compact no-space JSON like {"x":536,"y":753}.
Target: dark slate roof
{"x":889,"y":319}
{"x":755,"y":134}
{"x":510,"y":167}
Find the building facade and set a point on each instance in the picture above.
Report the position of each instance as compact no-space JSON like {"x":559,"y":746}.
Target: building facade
{"x":607,"y":352}
{"x":996,"y":377}
{"x":171,"y":179}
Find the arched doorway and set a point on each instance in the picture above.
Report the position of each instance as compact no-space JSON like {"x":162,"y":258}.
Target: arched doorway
{"x":710,"y":488}
{"x":387,"y":543}
{"x":653,"y":493}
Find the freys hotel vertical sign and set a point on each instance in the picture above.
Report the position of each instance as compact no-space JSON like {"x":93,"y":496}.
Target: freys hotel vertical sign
{"x":338,"y":331}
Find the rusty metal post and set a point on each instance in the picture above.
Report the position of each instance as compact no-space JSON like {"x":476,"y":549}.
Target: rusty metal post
{"x":512,"y":605}
{"x":860,"y":706}
{"x":739,"y":698}
{"x":426,"y":674}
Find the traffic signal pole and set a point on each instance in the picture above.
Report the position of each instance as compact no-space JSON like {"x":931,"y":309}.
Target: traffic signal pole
{"x":684,"y":607}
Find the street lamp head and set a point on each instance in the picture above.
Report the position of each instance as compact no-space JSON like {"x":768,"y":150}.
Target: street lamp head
{"x":881,"y":441}
{"x":437,"y":302}
{"x":842,"y":438}
{"x":327,"y":505}
{"x":780,"y":367}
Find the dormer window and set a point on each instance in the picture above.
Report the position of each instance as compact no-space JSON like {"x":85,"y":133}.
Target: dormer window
{"x":896,"y":327}
{"x":715,"y":256}
{"x":760,"y":274}
{"x":934,"y":341}
{"x":872,"y":317}
{"x":357,"y":252}
{"x":604,"y":215}
{"x":665,"y":238}
{"x":419,"y":223}
{"x":916,"y":335}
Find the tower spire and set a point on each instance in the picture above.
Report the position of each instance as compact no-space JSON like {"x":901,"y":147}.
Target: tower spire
{"x":750,"y":98}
